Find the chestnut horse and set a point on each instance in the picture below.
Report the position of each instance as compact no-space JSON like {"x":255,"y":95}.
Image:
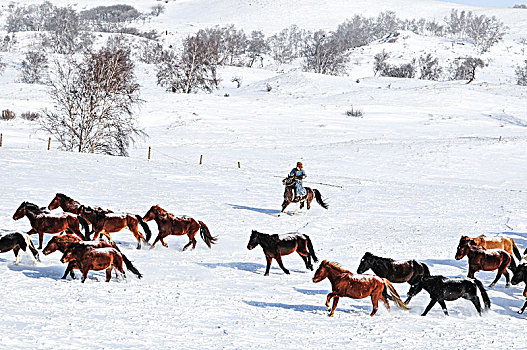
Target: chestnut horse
{"x":274,"y":246}
{"x":43,"y":222}
{"x":66,"y":241}
{"x":346,"y":284}
{"x":68,"y":204}
{"x":481,"y":259}
{"x":504,"y":243}
{"x":289,"y":183}
{"x":168,"y":225}
{"x":106,"y":223}
{"x":89,"y":258}
{"x":17,"y":241}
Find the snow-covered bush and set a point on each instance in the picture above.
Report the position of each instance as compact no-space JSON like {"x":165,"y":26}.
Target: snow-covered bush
{"x":465,"y":68}
{"x":324,"y":53}
{"x":256,"y":47}
{"x":157,"y":9}
{"x":521,"y":74}
{"x":353,"y":112}
{"x":31,"y":116}
{"x":34,"y":67}
{"x":429,"y":68}
{"x":224,"y":45}
{"x":384,"y":69}
{"x":2,"y":66}
{"x":7,"y":115}
{"x":287,"y":45}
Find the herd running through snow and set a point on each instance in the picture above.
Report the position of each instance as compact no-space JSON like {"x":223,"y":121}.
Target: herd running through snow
{"x":84,"y":254}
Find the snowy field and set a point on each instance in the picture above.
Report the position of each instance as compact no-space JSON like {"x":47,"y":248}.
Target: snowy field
{"x":428,"y":162}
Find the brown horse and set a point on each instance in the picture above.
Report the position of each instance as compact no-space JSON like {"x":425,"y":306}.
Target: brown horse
{"x":43,"y":222}
{"x":345,"y":284}
{"x":88,"y":258}
{"x":504,"y":243}
{"x":106,"y":223}
{"x":274,"y":246}
{"x":481,"y":259}
{"x":169,"y":225}
{"x":289,"y":183}
{"x":66,"y":241}
{"x":69,"y":204}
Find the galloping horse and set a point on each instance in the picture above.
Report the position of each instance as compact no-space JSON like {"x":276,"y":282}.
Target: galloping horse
{"x":168,"y":225}
{"x":289,"y":190}
{"x":106,"y":223}
{"x":17,"y":241}
{"x":480,"y":258}
{"x":274,"y":246}
{"x":442,"y":288}
{"x":43,"y":222}
{"x":393,"y":271}
{"x":520,"y":275}
{"x":89,"y":258}
{"x":346,"y":284}
{"x":69,"y":204}
{"x":504,"y":243}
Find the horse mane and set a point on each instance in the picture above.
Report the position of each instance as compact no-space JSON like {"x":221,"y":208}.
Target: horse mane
{"x":334,"y":265}
{"x":32,"y":207}
{"x":64,"y":197}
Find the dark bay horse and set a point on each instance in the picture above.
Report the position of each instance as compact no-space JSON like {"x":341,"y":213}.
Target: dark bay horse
{"x":481,"y":259}
{"x":346,"y":284}
{"x":520,"y":275}
{"x":274,"y":246}
{"x":289,"y":183}
{"x":168,"y":225}
{"x":394,"y":271}
{"x":89,"y":258}
{"x":68,"y":241}
{"x":442,"y":288}
{"x":504,"y":243}
{"x":106,"y":223}
{"x":69,"y":204}
{"x":43,"y":222}
{"x":17,"y":241}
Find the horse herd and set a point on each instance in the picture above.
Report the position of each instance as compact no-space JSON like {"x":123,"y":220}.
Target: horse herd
{"x":84,"y":254}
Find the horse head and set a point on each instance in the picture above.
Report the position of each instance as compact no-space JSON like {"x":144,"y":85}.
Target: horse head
{"x":55,"y":203}
{"x":20,"y":212}
{"x":322,"y":272}
{"x":415,"y":288}
{"x":52,"y":246}
{"x":254,"y":240}
{"x":365,"y":262}
{"x":72,"y":252}
{"x":463,"y":247}
{"x":154,"y":212}
{"x":519,"y":274}
{"x":288,"y":181}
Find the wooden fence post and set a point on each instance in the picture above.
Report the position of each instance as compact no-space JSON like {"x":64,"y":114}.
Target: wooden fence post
{"x":239,"y":165}
{"x":499,"y":139}
{"x":49,"y":143}
{"x":201,"y":159}
{"x":1,"y":139}
{"x":149,"y":152}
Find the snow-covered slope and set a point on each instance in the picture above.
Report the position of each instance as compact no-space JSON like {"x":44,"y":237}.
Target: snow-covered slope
{"x":427,"y":162}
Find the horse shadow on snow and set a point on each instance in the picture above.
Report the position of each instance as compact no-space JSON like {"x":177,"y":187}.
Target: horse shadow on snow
{"x":271,"y":212}
{"x":306,"y":308}
{"x":245,"y":266}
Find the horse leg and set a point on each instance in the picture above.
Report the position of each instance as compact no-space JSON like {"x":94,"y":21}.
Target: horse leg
{"x":136,"y":234}
{"x":304,"y":254}
{"x":385,"y":301}
{"x":269,"y":260}
{"x":155,"y":241}
{"x":498,"y":275}
{"x":16,"y":250}
{"x":335,"y":302}
{"x":432,"y":303}
{"x":523,"y":308}
{"x":108,"y":273}
{"x":475,"y":300}
{"x":375,"y":302}
{"x":84,"y":274}
{"x":507,"y":280}
{"x":443,"y":306}
{"x":69,"y":269}
{"x":40,"y":239}
{"x":279,"y":260}
{"x":471,"y":272}
{"x":328,"y":298}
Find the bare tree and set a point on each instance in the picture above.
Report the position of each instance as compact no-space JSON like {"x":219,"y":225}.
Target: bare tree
{"x":380,"y":64}
{"x":34,"y":67}
{"x":257,"y":47}
{"x":429,"y":67}
{"x":521,"y":74}
{"x":94,"y":103}
{"x":325,"y":54}
{"x":157,"y":9}
{"x":194,"y":69}
{"x":2,"y":66}
{"x":465,"y":68}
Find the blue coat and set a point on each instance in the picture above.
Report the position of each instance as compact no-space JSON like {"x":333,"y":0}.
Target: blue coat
{"x":299,"y":175}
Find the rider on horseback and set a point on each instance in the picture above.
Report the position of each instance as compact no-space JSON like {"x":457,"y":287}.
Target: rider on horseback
{"x":299,"y":175}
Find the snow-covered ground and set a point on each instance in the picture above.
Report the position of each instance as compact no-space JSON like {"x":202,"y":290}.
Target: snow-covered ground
{"x":428,"y":162}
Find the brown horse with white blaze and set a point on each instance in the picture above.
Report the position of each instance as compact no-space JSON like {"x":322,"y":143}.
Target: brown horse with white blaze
{"x":43,"y":222}
{"x":169,"y":225}
{"x":481,"y":259}
{"x":345,"y":284}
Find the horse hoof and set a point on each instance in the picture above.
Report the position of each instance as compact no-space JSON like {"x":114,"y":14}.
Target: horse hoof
{"x":507,"y":285}
{"x":492,"y":285}
{"x":266,"y":274}
{"x":520,"y":312}
{"x":287,"y":272}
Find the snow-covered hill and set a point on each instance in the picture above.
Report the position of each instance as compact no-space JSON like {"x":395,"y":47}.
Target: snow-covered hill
{"x":427,"y":162}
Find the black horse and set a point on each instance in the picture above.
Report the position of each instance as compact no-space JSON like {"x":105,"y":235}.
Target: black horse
{"x":442,"y":288}
{"x":520,"y":275}
{"x":289,"y":191}
{"x":274,"y":246}
{"x":17,"y":241}
{"x":394,"y":271}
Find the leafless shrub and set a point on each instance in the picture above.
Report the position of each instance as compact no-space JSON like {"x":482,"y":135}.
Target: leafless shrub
{"x":357,"y":113}
{"x":2,"y":66}
{"x":268,"y":87}
{"x":94,"y":101}
{"x":257,"y":47}
{"x":31,"y":116}
{"x":157,"y":9}
{"x":34,"y":67}
{"x":325,"y":54}
{"x":384,"y":69}
{"x":429,"y":68}
{"x":287,"y":45}
{"x":521,"y":74}
{"x":238,"y":81}
{"x":465,"y":68}
{"x":150,"y":52}
{"x":8,"y":114}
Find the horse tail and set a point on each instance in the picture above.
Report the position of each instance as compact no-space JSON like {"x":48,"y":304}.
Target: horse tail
{"x":426,"y":270}
{"x":26,"y":243}
{"x":205,"y":234}
{"x":311,"y":249}
{"x":516,"y":250}
{"x":145,"y":228}
{"x":85,"y":226}
{"x":130,"y":267}
{"x":319,"y":199}
{"x":512,"y":265}
{"x":483,"y":292}
{"x":396,"y":298}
